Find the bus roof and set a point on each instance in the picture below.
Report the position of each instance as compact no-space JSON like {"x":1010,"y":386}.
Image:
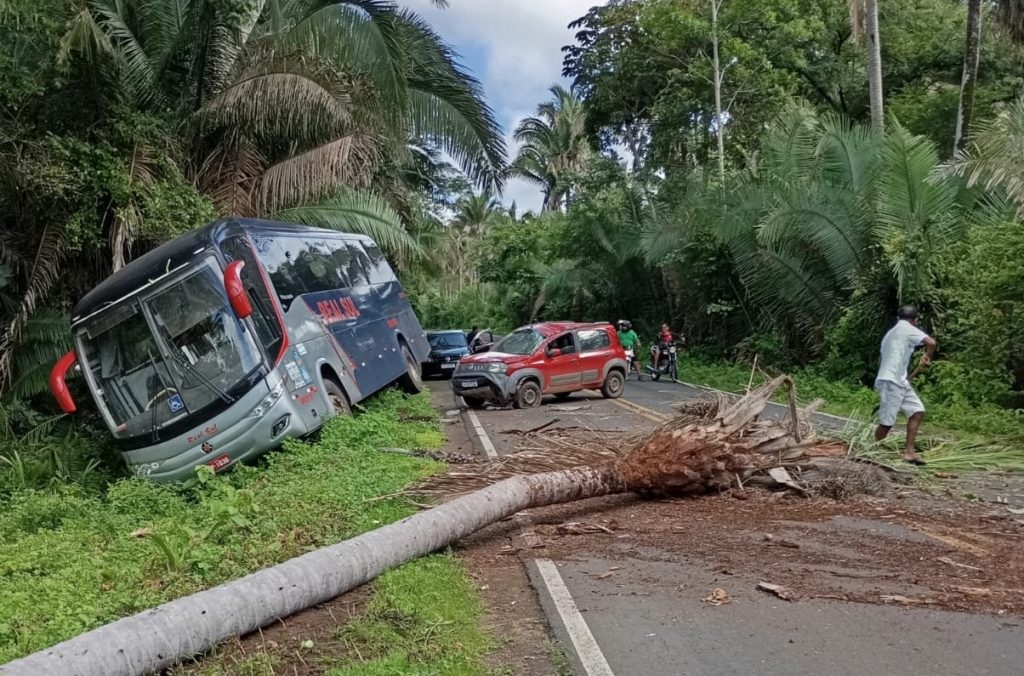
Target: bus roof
{"x":176,"y":253}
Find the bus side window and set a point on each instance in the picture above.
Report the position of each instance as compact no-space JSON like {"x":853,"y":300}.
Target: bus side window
{"x":278,"y":256}
{"x":380,"y":272}
{"x":314,"y":266}
{"x":360,"y":267}
{"x":337,"y":261}
{"x":268,"y":330}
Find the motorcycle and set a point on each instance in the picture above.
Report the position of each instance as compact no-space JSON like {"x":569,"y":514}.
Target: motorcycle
{"x":668,"y":364}
{"x":631,"y":364}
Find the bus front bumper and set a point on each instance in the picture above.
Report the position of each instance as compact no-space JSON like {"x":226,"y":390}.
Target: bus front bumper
{"x":220,"y":443}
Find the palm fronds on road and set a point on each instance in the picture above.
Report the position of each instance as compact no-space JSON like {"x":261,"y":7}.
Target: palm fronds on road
{"x":948,"y":455}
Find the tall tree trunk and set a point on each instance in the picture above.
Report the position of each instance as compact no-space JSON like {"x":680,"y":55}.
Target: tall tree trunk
{"x":680,"y":457}
{"x":719,"y":124}
{"x":972,"y":58}
{"x":874,"y":46}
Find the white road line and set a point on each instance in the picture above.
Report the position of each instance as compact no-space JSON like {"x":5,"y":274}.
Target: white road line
{"x":481,"y":434}
{"x":583,"y":642}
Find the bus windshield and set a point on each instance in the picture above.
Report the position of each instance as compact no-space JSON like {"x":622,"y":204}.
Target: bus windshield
{"x":161,"y":358}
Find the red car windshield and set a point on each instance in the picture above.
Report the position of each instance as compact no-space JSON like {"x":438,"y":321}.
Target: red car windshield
{"x":520,"y":342}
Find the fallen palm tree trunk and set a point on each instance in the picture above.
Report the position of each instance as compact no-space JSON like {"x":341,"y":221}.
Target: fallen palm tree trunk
{"x":694,"y":456}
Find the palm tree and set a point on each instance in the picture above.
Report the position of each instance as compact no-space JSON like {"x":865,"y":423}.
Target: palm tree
{"x":1011,"y":17}
{"x":864,"y":22}
{"x":835,"y":209}
{"x":475,"y":213}
{"x":972,"y":59}
{"x":285,"y":105}
{"x":992,"y":157}
{"x":554,"y":145}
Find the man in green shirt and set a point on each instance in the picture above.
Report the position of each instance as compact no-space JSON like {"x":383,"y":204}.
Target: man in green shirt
{"x":630,"y":342}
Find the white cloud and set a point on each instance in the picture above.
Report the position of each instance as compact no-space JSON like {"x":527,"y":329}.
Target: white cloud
{"x":514,"y":47}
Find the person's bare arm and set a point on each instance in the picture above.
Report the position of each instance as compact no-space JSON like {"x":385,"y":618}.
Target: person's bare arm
{"x":926,"y":358}
{"x":929,"y":352}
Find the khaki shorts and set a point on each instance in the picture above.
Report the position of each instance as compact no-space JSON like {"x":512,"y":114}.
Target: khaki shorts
{"x":895,"y":398}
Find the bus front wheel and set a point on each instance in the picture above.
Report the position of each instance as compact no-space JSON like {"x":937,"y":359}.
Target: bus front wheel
{"x":412,"y":381}
{"x":339,"y":402}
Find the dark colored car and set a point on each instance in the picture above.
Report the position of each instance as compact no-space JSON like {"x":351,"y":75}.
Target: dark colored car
{"x":446,"y":349}
{"x":556,"y":358}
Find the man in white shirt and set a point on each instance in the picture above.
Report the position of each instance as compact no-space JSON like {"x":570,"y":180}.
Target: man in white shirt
{"x":892,"y":383}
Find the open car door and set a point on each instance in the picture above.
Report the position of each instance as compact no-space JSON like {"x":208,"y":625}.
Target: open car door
{"x":483,"y":341}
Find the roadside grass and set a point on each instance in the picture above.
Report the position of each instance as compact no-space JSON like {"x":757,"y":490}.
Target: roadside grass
{"x":423,"y":613}
{"x":71,"y":560}
{"x":852,"y":400}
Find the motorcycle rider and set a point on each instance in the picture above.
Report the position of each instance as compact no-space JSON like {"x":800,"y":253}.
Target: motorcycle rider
{"x":629,"y":341}
{"x":665,"y":339}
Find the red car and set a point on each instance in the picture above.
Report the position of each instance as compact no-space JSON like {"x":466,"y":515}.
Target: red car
{"x":552,"y":358}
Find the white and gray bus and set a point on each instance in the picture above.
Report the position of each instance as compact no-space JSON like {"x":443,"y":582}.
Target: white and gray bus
{"x":214,"y":347}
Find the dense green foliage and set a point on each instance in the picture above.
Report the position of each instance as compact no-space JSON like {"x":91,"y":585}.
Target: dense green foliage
{"x":127,"y":123}
{"x":77,"y":555}
{"x":822,"y":226}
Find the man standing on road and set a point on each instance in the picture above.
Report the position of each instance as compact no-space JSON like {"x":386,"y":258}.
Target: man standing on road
{"x":892,"y":383}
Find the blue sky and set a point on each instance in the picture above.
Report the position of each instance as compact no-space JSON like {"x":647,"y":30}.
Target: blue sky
{"x":514,"y":48}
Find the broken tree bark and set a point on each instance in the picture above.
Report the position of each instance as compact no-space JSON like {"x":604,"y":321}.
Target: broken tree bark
{"x":692,"y":457}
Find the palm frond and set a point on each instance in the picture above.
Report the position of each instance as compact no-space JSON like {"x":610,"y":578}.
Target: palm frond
{"x":136,"y":63}
{"x":83,"y":36}
{"x":849,"y":152}
{"x":446,"y":104}
{"x":280,"y":103}
{"x":992,"y":158}
{"x":913,"y":215}
{"x":313,"y":174}
{"x":227,"y":175}
{"x":358,"y":212}
{"x":46,"y":336}
{"x":355,"y":37}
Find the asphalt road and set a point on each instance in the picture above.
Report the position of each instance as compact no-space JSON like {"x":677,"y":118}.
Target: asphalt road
{"x":652,"y":622}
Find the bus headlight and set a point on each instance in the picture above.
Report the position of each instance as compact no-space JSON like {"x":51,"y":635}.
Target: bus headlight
{"x":268,"y":401}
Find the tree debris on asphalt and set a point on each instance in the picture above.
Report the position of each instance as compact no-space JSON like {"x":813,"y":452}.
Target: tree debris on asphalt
{"x":717,"y":597}
{"x":784,"y":593}
{"x":719,"y":439}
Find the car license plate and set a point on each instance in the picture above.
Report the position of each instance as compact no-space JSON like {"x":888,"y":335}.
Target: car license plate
{"x":220,"y":462}
{"x":467,"y":384}
{"x":448,"y":366}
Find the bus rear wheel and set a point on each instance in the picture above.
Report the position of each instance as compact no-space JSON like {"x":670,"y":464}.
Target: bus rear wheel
{"x":412,"y":381}
{"x":339,"y":402}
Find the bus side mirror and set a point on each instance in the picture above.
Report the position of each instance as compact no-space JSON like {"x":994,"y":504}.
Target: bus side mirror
{"x":57,"y":384}
{"x":240,"y":302}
